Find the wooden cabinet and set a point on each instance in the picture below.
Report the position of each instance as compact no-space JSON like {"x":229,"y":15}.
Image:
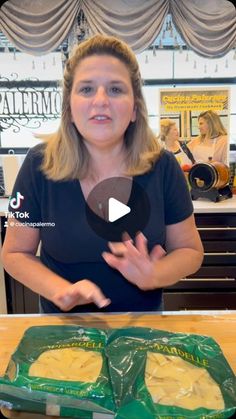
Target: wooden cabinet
{"x":19,"y":299}
{"x":213,"y":286}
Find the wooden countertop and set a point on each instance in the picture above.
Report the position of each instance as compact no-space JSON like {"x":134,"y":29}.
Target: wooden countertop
{"x":221,"y":325}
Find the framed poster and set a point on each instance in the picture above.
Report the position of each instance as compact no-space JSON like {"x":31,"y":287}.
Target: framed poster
{"x":202,"y":118}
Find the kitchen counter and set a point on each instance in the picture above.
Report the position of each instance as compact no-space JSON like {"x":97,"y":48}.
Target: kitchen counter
{"x":221,"y":325}
{"x":3,"y":206}
{"x":201,"y":205}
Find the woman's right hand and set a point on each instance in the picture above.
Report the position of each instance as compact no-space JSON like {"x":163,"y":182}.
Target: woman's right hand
{"x":82,"y":292}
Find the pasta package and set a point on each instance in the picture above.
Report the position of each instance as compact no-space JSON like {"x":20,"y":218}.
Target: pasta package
{"x":173,"y":381}
{"x":60,"y":371}
{"x":158,"y":374}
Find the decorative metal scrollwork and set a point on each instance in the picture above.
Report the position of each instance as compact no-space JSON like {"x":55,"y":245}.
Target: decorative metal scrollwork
{"x":28,"y":103}
{"x":17,"y":123}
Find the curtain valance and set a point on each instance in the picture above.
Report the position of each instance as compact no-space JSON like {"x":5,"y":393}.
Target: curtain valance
{"x":38,"y":27}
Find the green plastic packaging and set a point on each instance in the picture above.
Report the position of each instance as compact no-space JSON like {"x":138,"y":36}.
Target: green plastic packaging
{"x":86,"y":400}
{"x":120,"y":390}
{"x":127,"y":352}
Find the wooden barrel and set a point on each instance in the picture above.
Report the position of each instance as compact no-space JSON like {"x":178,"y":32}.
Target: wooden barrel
{"x":204,"y":176}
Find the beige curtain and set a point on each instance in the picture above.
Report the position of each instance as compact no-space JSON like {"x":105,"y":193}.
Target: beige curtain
{"x":40,"y":26}
{"x":207,"y":26}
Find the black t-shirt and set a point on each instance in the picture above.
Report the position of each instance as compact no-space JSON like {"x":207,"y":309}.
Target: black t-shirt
{"x":71,"y":249}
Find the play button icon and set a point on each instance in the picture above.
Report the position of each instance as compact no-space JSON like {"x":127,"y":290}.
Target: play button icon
{"x":116,"y":209}
{"x":116,"y":206}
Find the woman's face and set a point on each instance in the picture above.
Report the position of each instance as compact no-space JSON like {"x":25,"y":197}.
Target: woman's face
{"x":203,"y":126}
{"x":173,"y":133}
{"x":102,"y":100}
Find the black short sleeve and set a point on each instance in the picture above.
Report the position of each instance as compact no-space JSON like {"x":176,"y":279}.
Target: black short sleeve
{"x":71,"y":249}
{"x":28,"y":184}
{"x":177,"y":199}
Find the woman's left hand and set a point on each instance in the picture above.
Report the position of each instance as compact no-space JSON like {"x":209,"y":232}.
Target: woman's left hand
{"x":134,"y":262}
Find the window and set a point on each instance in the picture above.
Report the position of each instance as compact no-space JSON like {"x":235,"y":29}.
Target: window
{"x":30,"y":97}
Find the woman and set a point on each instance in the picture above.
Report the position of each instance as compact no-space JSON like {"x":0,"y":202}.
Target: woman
{"x":103,"y":133}
{"x":169,"y":135}
{"x":212,"y":143}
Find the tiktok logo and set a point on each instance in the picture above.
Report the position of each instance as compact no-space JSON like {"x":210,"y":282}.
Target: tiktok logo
{"x":16,"y":202}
